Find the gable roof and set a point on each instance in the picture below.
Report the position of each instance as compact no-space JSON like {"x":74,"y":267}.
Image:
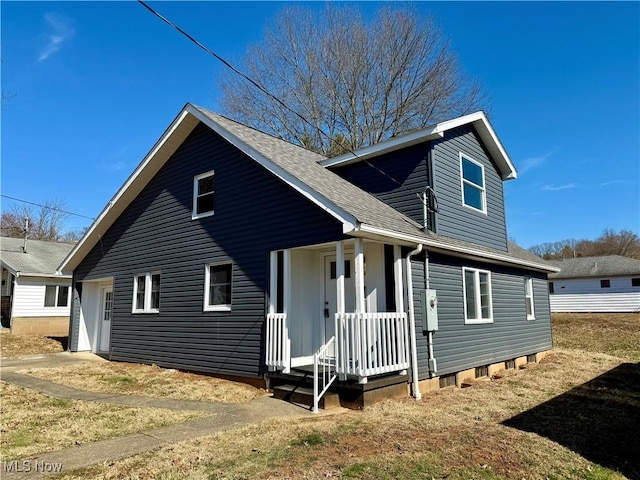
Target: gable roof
{"x":604,"y":266}
{"x":478,"y":120}
{"x":41,"y":259}
{"x":360,"y":213}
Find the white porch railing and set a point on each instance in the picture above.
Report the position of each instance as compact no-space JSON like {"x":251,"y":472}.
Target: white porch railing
{"x":324,"y":371}
{"x":371,"y":343}
{"x":278,"y":354}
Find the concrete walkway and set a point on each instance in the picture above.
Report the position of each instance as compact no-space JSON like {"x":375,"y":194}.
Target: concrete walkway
{"x":222,"y":416}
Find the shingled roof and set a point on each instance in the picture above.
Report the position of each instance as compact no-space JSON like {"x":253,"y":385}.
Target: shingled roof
{"x":605,"y":266}
{"x":41,"y":258}
{"x":361,"y":213}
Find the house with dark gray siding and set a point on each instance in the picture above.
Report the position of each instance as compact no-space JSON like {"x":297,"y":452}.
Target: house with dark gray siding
{"x":231,"y":252}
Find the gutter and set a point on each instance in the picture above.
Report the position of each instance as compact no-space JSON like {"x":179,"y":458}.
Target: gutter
{"x":412,"y":326}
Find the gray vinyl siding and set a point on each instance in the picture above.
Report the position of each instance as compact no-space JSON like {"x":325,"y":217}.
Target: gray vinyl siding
{"x":407,"y":167}
{"x":255,"y":213}
{"x":455,"y":220}
{"x":458,"y":346}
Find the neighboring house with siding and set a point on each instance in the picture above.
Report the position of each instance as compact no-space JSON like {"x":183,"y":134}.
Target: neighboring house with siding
{"x":231,"y":252}
{"x":595,"y":284}
{"x":36,"y":300}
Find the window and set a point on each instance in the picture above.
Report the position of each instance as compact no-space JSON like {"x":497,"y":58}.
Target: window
{"x":146,"y":293}
{"x":56,"y":296}
{"x":217,"y":287}
{"x":528,"y":295}
{"x":551,"y":287}
{"x":347,"y":270}
{"x":478,"y":307}
{"x":605,"y":283}
{"x":473,"y":190}
{"x":635,"y":282}
{"x":203,"y":195}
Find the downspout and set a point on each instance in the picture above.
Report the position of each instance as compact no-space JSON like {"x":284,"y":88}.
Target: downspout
{"x":412,"y":326}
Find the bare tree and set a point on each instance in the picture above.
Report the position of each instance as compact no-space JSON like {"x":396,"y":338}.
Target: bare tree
{"x":41,"y":223}
{"x":358,"y":82}
{"x":624,"y":242}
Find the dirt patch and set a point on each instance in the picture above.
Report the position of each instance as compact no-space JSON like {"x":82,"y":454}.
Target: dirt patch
{"x":31,"y":423}
{"x":148,"y":380}
{"x":17,"y":345}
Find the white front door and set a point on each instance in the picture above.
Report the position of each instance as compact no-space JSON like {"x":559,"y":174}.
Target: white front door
{"x":105,"y":319}
{"x":330,"y":292}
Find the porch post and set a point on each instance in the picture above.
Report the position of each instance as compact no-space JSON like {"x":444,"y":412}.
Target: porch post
{"x":286,"y":302}
{"x":340,"y":303}
{"x":397,"y":272}
{"x":359,"y":275}
{"x":273,"y":281}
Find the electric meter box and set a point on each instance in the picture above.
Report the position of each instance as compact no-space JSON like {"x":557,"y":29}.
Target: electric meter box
{"x":429,"y":301}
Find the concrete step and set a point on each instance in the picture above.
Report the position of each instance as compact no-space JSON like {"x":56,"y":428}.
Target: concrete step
{"x":304,"y":396}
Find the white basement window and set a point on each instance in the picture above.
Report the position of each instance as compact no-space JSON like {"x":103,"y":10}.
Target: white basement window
{"x":146,"y":293}
{"x":528,"y":295}
{"x":478,"y":307}
{"x":203,"y":195}
{"x":56,"y":296}
{"x":473,"y":187}
{"x":217,"y":287}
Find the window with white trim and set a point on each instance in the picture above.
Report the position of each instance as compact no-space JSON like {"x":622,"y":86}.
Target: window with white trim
{"x":203,"y":195}
{"x":473,"y":186}
{"x":56,"y":296}
{"x":217,"y":287}
{"x":528,"y":296}
{"x":478,"y":307}
{"x":146,"y":293}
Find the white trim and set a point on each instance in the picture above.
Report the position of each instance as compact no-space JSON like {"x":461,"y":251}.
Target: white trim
{"x":477,"y":299}
{"x":359,"y":275}
{"x":273,"y":280}
{"x":447,"y":248}
{"x":196,"y":178}
{"x":340,"y":295}
{"x":57,"y":287}
{"x":222,"y":307}
{"x":479,"y":121}
{"x":482,"y":188}
{"x":147,"y":292}
{"x":528,"y":297}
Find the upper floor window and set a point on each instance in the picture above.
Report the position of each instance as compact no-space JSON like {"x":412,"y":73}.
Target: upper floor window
{"x":203,"y":195}
{"x":146,"y":293}
{"x":528,"y":295}
{"x":473,"y":187}
{"x":56,"y":296}
{"x":217,"y":287}
{"x":605,"y":283}
{"x":478,"y":306}
{"x":635,"y":282}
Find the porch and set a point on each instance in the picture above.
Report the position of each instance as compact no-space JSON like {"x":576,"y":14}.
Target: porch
{"x":338,"y":311}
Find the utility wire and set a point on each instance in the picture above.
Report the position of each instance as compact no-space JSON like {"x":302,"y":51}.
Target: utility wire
{"x":46,"y":206}
{"x":260,"y":87}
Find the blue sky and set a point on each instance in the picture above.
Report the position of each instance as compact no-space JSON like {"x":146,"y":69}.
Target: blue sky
{"x":94,"y":84}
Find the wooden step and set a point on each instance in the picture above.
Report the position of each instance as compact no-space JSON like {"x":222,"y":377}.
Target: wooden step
{"x":304,"y":396}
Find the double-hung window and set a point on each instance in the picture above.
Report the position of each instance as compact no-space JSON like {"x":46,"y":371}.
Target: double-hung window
{"x":203,"y":195}
{"x":473,"y":187}
{"x":217,"y":287}
{"x":146,"y":293}
{"x":528,"y":296}
{"x":56,"y":296}
{"x":478,"y":307}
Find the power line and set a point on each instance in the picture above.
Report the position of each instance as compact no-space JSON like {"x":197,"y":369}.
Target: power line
{"x":260,"y":87}
{"x":46,"y":206}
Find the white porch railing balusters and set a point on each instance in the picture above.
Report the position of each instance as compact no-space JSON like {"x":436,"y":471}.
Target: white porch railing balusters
{"x":371,"y":343}
{"x":277,"y":341}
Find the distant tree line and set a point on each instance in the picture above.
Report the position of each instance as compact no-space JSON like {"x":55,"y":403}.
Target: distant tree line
{"x":38,"y":223}
{"x":624,"y":242}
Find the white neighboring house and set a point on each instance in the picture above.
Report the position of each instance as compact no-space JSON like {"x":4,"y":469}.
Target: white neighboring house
{"x":35,"y":299}
{"x":595,"y":284}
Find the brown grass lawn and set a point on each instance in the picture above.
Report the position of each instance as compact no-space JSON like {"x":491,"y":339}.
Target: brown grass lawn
{"x":149,"y":380}
{"x":31,"y":423}
{"x":575,"y":415}
{"x":17,"y":345}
